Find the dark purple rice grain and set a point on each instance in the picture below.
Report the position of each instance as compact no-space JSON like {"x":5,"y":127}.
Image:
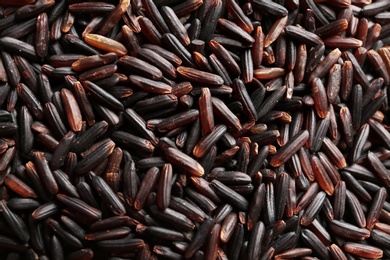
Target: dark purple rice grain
{"x":107,"y":195}
{"x":361,"y":250}
{"x":64,"y":235}
{"x":270,"y":7}
{"x":285,"y":242}
{"x":124,"y":245}
{"x":235,"y":30}
{"x":229,"y":195}
{"x":27,"y":73}
{"x":56,"y":247}
{"x":223,"y":211}
{"x":204,"y":187}
{"x":296,"y":252}
{"x":275,"y":31}
{"x":220,"y":69}
{"x":373,"y":213}
{"x":85,"y":253}
{"x":174,"y":218}
{"x":88,"y":7}
{"x":225,"y":58}
{"x":228,"y":226}
{"x":107,"y":234}
{"x":356,"y":209}
{"x":316,"y":245}
{"x":313,"y":209}
{"x":10,"y":243}
{"x":15,"y":222}
{"x":379,"y":168}
{"x":93,"y":158}
{"x":18,"y":186}
{"x":321,"y":131}
{"x":256,"y":238}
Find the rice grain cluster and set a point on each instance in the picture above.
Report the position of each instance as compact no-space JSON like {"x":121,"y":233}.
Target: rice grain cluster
{"x":194,"y":129}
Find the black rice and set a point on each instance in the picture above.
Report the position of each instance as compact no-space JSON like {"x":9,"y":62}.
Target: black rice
{"x":197,"y":129}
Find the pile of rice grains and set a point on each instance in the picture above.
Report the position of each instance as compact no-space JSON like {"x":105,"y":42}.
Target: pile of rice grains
{"x":190,"y":129}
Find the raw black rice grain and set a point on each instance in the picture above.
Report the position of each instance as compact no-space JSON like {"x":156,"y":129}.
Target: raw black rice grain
{"x":314,"y":243}
{"x":363,"y":250}
{"x":356,"y":209}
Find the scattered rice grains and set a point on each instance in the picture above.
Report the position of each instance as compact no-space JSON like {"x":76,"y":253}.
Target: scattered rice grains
{"x":214,"y":129}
